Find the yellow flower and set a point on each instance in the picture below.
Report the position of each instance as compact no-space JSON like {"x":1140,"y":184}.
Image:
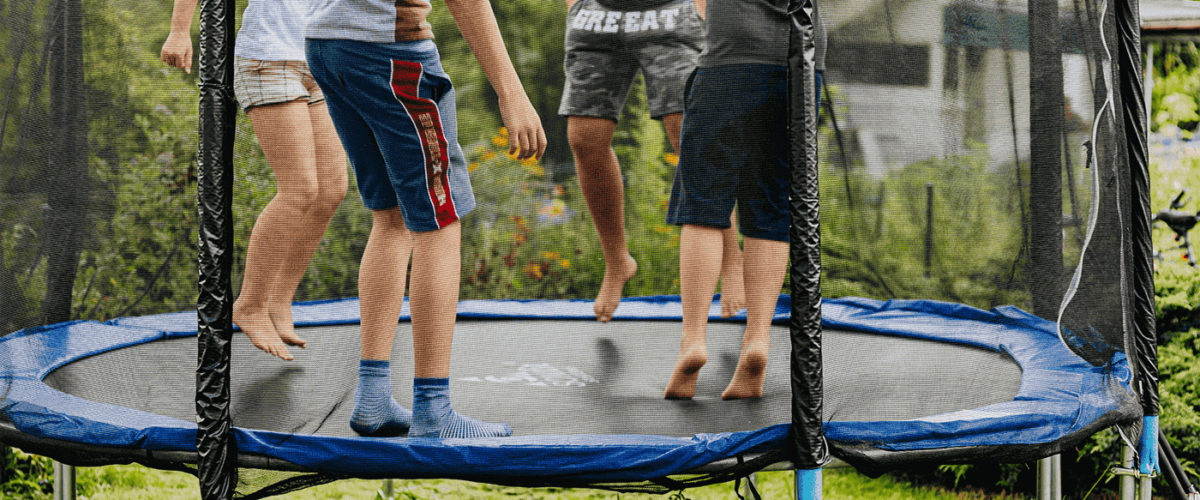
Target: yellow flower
{"x":671,"y":158}
{"x":662,"y":229}
{"x":533,"y":271}
{"x":566,"y":264}
{"x":550,"y":255}
{"x":472,"y":167}
{"x":499,"y":141}
{"x":529,"y":162}
{"x":504,"y":131}
{"x":487,"y":155}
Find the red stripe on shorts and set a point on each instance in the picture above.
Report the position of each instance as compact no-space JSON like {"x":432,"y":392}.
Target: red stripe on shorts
{"x":406,"y":76}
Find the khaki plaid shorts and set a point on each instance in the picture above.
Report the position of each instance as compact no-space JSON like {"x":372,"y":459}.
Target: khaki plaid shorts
{"x":258,"y":83}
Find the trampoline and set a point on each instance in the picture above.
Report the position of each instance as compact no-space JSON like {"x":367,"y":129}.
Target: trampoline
{"x":905,"y":382}
{"x":946,"y":180}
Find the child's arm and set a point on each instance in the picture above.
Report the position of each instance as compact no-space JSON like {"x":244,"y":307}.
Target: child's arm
{"x":177,"y":50}
{"x":478,"y":26}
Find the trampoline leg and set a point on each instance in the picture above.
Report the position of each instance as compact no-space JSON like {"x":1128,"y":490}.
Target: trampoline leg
{"x":387,"y":490}
{"x":1128,"y":484}
{"x":808,"y":484}
{"x":1050,"y":478}
{"x":64,"y":482}
{"x":749,"y":489}
{"x":1146,"y":487}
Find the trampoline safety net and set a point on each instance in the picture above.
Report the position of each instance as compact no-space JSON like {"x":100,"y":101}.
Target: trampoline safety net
{"x":979,"y":216}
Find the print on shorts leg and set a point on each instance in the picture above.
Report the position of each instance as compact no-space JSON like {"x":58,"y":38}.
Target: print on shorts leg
{"x":406,"y":78}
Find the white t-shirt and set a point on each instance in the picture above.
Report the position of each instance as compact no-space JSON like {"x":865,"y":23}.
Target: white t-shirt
{"x":378,"y":21}
{"x":273,"y":30}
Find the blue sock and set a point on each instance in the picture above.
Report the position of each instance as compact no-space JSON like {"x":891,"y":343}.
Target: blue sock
{"x":375,"y":411}
{"x":433,"y":416}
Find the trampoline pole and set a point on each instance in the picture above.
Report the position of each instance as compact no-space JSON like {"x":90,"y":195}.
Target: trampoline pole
{"x":64,"y":481}
{"x":1128,"y":484}
{"x":749,"y":489}
{"x":1050,"y":478}
{"x":388,"y":490}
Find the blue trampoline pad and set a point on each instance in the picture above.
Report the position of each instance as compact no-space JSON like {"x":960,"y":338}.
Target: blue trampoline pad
{"x":904,"y":381}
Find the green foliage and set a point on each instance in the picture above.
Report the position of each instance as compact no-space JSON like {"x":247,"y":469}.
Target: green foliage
{"x":873,"y":238}
{"x":28,"y":477}
{"x":532,"y":236}
{"x":1176,"y":91}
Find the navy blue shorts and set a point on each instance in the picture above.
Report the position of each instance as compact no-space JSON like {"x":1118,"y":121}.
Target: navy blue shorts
{"x":734,"y":151}
{"x":393,"y":107}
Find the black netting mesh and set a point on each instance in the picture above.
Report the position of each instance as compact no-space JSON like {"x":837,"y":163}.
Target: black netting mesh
{"x":972,"y":152}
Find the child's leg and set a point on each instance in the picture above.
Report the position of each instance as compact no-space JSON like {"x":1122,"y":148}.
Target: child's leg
{"x":733,"y":288}
{"x":332,"y":180}
{"x":381,"y":283}
{"x":733,"y":295}
{"x":434,"y":300}
{"x":286,"y":138}
{"x":765,"y":264}
{"x":698,"y":272}
{"x":600,"y":180}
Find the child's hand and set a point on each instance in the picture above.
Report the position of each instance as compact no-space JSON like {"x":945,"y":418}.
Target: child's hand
{"x":177,"y":51}
{"x":526,"y":138}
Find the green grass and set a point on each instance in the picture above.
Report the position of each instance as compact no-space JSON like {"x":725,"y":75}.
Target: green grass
{"x":134,"y":482}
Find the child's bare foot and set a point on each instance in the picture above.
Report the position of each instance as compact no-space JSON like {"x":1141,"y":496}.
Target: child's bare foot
{"x":687,"y":371}
{"x":750,"y":373}
{"x":610,"y":291}
{"x":733,"y":294}
{"x":281,"y":318}
{"x":257,"y":325}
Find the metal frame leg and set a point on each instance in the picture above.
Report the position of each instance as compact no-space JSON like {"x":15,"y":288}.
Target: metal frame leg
{"x":64,"y":482}
{"x":1128,"y":491}
{"x":1050,"y":478}
{"x":746,"y":491}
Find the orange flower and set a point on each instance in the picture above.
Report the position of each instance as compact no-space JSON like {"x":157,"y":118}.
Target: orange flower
{"x":533,"y":271}
{"x":473,"y":167}
{"x":671,"y":158}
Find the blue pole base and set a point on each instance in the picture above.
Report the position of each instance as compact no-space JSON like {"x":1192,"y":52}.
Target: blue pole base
{"x":808,"y":484}
{"x":1148,"y":449}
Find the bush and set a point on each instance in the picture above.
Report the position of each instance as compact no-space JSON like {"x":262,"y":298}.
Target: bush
{"x":26,"y":476}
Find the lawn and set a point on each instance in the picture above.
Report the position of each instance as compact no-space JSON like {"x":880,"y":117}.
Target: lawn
{"x":134,"y":482}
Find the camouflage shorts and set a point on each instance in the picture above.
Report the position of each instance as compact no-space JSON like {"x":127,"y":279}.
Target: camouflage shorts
{"x":606,"y":48}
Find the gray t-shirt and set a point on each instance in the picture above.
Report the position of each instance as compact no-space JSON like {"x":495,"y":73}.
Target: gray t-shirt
{"x":753,"y":32}
{"x":627,"y":5}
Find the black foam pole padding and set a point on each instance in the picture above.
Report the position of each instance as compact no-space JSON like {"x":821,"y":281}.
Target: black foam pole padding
{"x":1046,"y":108}
{"x":1133,"y":117}
{"x":809,"y":449}
{"x":215,"y":442}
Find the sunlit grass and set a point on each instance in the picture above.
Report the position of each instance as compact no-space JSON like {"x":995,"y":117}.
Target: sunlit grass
{"x":134,"y":482}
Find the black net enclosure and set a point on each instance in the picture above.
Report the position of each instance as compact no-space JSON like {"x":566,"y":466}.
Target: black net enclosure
{"x":197,"y":256}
